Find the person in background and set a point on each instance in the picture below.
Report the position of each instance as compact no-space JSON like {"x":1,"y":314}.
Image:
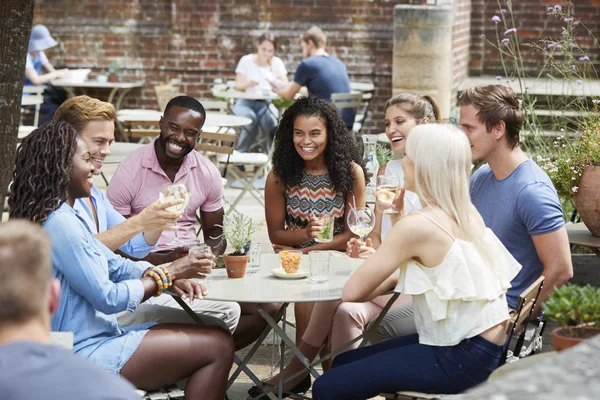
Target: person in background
{"x":39,"y":71}
{"x":94,"y":121}
{"x":254,"y":74}
{"x":52,"y":169}
{"x":457,"y":272}
{"x":319,"y":72}
{"x":33,"y":368}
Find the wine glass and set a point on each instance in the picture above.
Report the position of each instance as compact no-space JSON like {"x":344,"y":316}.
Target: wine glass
{"x":361,"y":221}
{"x":175,"y":191}
{"x":388,"y":189}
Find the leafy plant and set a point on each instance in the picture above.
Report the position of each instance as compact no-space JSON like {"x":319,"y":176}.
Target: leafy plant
{"x":114,"y":68}
{"x":383,"y":154}
{"x":238,"y":230}
{"x":573,"y":306}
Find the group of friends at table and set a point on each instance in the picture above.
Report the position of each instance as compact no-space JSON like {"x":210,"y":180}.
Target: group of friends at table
{"x":460,"y":258}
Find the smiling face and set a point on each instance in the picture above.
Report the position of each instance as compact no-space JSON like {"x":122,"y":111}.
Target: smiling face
{"x":265,"y":51}
{"x":179,"y":130}
{"x":408,"y":167}
{"x":81,"y":177}
{"x":482,"y":142}
{"x":310,"y":137}
{"x":398,"y":122}
{"x":98,"y":136}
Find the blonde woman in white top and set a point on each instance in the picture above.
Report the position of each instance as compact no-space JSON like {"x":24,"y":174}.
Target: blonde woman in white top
{"x":254,"y":74}
{"x":454,"y":267}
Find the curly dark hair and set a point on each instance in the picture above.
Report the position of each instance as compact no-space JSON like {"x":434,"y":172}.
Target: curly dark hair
{"x":340,"y":150}
{"x":41,"y":174}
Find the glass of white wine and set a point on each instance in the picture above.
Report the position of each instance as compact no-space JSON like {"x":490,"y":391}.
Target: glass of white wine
{"x":361,"y":221}
{"x":175,"y":191}
{"x":388,"y":189}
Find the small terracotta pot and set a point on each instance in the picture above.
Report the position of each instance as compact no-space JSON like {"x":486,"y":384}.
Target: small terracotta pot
{"x":113,"y":78}
{"x":563,"y":338}
{"x":236,"y":265}
{"x":587,"y":199}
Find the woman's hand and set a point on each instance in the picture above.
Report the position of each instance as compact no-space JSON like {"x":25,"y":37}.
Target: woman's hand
{"x":315,"y":225}
{"x":357,"y":249}
{"x":396,"y":205}
{"x":188,"y":289}
{"x":191,"y":266}
{"x":250,"y":84}
{"x":279,"y":247}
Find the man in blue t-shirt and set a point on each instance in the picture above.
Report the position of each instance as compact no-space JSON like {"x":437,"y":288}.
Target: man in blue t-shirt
{"x":319,"y":72}
{"x":33,"y":368}
{"x":515,"y":197}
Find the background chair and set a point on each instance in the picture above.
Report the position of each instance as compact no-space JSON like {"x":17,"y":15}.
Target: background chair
{"x":366,"y":89}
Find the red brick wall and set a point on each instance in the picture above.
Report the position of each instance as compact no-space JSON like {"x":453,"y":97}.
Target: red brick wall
{"x":202,"y":40}
{"x":533,"y":24}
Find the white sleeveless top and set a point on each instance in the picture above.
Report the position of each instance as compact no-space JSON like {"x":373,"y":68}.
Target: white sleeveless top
{"x":411,"y":200}
{"x":464,"y":295}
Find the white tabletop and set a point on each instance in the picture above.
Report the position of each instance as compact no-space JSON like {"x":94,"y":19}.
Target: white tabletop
{"x":120,"y":150}
{"x":263,"y":287}
{"x":96,"y":84}
{"x":212,"y":118}
{"x":362,"y":86}
{"x":238,"y":94}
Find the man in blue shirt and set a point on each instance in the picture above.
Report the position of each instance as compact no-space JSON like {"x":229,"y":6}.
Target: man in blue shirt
{"x":515,"y":197}
{"x":319,"y":72}
{"x":31,"y":366}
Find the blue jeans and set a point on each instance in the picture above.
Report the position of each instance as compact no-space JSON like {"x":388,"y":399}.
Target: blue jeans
{"x":263,"y":121}
{"x":404,"y":364}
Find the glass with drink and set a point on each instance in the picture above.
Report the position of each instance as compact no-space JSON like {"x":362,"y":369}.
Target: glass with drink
{"x":254,"y":261}
{"x":175,"y":191}
{"x":327,"y":227}
{"x":388,"y":189}
{"x":319,"y":266}
{"x":205,"y":250}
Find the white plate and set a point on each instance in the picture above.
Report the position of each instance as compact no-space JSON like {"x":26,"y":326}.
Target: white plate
{"x":280,"y":273}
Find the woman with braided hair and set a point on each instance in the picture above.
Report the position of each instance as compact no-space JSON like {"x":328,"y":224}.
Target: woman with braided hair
{"x":52,"y":169}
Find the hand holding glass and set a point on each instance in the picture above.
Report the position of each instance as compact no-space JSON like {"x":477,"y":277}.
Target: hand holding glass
{"x":327,"y":227}
{"x":204,"y":250}
{"x":388,"y":189}
{"x":361,"y":221}
{"x":175,"y":191}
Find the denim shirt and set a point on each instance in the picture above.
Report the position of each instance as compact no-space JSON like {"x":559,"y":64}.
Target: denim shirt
{"x":108,"y":218}
{"x":95,"y":282}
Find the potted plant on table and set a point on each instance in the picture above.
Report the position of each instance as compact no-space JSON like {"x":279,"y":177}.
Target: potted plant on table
{"x":577,"y":310}
{"x":237,"y":230}
{"x":113,"y":72}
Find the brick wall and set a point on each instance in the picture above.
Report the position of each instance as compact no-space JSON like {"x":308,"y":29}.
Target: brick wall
{"x":533,"y":24}
{"x":202,"y":40}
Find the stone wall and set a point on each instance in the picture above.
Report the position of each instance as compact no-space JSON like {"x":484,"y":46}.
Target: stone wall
{"x":533,"y":24}
{"x":156,"y":40}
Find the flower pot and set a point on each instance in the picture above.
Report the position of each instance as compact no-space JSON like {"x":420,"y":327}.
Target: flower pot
{"x":113,"y":78}
{"x":236,"y":265}
{"x":564,"y":338}
{"x":587,"y":199}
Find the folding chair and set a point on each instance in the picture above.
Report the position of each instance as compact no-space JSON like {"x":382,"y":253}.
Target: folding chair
{"x":32,"y":97}
{"x":349,"y":100}
{"x":516,"y":324}
{"x":366,"y":90}
{"x":260,"y":163}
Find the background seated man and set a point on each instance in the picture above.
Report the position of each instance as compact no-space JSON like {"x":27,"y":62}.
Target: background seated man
{"x":32,"y":367}
{"x":171,"y":158}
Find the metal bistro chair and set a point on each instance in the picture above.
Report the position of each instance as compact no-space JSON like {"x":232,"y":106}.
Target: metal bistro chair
{"x":349,"y":100}
{"x":33,"y":97}
{"x":367,"y":90}
{"x":516,"y":329}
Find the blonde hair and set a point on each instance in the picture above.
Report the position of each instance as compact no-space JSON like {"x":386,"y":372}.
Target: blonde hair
{"x":80,"y":110}
{"x":315,"y":35}
{"x":26,"y":270}
{"x":442,"y":158}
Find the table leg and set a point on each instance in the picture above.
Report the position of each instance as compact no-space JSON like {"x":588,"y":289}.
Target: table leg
{"x":120,"y":98}
{"x":111,"y":96}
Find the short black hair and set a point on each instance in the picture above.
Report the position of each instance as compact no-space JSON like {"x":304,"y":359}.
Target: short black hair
{"x":187,"y":102}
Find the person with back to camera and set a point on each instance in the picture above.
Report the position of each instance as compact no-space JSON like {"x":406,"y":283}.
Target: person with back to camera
{"x":457,"y":272}
{"x":254,"y":74}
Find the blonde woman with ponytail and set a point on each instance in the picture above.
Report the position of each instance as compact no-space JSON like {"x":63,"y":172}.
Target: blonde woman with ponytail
{"x":456,"y":270}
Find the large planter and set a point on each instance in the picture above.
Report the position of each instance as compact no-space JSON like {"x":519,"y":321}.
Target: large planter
{"x":236,"y":265}
{"x":587,"y":199}
{"x":563,"y":338}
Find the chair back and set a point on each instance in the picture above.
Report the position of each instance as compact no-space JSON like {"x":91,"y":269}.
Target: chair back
{"x":164,"y":93}
{"x":346,"y":100}
{"x":215,"y":105}
{"x":215,"y":143}
{"x":522,"y":315}
{"x":32,"y":96}
{"x":366,"y":89}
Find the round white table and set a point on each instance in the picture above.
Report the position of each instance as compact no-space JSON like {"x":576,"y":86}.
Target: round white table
{"x":120,"y":150}
{"x":212,"y":118}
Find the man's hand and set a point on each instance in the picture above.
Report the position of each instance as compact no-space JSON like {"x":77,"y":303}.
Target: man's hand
{"x":191,"y":266}
{"x":155,"y":217}
{"x":188,"y":289}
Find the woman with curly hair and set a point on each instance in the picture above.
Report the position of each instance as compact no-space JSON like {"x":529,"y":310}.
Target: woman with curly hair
{"x":316,"y":168}
{"x":52,"y":169}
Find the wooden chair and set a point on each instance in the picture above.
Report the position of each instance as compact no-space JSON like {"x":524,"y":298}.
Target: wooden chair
{"x":515,"y":328}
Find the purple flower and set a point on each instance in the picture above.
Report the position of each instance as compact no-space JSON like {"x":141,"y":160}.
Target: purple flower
{"x":505,"y":41}
{"x":573,"y":67}
{"x":482,"y":36}
{"x":584,"y":58}
{"x":579,"y":82}
{"x":550,"y":9}
{"x":557,"y":8}
{"x":495,"y":19}
{"x":509,"y":31}
{"x":570,"y":19}
{"x":551,"y":45}
{"x":575,"y":23}
{"x":503,"y":11}
{"x":498,"y":77}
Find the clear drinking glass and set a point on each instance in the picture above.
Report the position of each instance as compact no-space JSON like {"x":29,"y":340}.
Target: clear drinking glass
{"x":254,"y":261}
{"x":175,"y":191}
{"x":328,"y":223}
{"x":388,"y":189}
{"x":361,"y":221}
{"x":205,"y":250}
{"x":319,"y":266}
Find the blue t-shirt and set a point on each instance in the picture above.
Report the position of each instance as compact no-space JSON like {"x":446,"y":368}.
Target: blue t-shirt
{"x":41,"y":371}
{"x":322,"y":76}
{"x":523,"y":205}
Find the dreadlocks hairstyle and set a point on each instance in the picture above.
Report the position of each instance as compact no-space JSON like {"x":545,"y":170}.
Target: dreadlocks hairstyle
{"x":340,"y":150}
{"x":41,"y":174}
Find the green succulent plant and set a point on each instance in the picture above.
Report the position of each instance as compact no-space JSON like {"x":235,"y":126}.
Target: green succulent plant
{"x":574,"y":305}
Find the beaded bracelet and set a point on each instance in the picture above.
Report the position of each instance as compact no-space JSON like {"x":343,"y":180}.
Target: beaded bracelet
{"x":164,"y":271}
{"x":159,"y":282}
